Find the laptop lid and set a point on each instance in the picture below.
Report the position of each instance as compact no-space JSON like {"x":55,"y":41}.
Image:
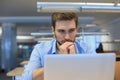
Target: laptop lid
{"x":79,"y":67}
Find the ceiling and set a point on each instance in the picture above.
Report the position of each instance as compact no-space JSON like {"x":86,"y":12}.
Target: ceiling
{"x":28,"y":20}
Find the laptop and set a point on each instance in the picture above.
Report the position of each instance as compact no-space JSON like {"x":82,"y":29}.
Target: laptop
{"x":79,"y":67}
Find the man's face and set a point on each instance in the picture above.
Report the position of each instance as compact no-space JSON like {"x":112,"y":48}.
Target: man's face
{"x":65,"y":31}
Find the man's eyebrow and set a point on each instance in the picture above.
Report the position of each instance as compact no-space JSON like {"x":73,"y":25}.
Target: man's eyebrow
{"x":72,"y":29}
{"x":60,"y":29}
{"x":69,"y":29}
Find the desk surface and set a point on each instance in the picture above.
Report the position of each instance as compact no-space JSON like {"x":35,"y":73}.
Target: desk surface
{"x":117,"y":56}
{"x":16,"y":72}
{"x":24,"y":62}
{"x":117,"y":70}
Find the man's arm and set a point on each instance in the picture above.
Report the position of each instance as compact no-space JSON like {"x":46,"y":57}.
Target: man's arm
{"x":32,"y":68}
{"x":38,"y":74}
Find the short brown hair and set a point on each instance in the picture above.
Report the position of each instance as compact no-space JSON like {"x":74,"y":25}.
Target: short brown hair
{"x":64,"y":16}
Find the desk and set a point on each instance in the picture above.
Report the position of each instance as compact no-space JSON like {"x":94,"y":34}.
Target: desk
{"x":16,"y":73}
{"x":23,"y":63}
{"x":117,"y":70}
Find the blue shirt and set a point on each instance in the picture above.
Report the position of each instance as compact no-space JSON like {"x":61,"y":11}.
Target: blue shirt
{"x":45,"y":48}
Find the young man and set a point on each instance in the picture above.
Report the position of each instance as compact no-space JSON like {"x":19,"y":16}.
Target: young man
{"x":64,"y":28}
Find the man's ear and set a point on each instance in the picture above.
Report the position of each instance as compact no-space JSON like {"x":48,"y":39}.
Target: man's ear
{"x":53,"y":30}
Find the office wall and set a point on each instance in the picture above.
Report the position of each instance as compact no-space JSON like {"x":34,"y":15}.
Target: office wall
{"x":112,"y":41}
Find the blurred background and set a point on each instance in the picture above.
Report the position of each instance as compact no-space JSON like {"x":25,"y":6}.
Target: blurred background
{"x":24,"y":23}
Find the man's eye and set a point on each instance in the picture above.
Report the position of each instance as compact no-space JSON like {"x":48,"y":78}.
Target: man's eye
{"x":61,"y":31}
{"x":72,"y":30}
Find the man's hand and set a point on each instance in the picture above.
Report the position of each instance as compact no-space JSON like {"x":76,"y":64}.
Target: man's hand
{"x":67,"y":48}
{"x":38,"y":74}
{"x":71,"y":49}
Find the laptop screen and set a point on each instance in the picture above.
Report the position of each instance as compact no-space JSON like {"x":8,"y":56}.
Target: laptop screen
{"x":79,"y":67}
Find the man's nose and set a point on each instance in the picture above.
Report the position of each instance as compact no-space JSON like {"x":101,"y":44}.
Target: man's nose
{"x":67,"y":36}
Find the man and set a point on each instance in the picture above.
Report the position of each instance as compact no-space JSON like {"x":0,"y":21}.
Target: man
{"x":64,"y":28}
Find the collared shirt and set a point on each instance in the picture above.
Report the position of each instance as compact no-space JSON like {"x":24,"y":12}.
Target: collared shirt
{"x":45,"y":48}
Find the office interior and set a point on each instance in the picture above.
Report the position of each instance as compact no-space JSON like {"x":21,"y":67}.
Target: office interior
{"x":24,"y":23}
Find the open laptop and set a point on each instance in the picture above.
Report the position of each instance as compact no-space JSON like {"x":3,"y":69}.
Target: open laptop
{"x":79,"y":67}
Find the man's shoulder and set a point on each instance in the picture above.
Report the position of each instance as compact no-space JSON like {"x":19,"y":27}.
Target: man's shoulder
{"x":44,"y":47}
{"x":45,"y":44}
{"x":86,"y":47}
{"x":82,"y":43}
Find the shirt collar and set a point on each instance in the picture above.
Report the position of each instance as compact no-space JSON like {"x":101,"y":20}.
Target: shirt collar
{"x":76,"y":46}
{"x":54,"y":46}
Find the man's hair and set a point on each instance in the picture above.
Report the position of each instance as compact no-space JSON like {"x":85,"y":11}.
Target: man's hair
{"x":58,"y":16}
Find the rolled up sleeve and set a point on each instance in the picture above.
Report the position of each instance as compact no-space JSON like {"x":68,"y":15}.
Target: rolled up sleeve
{"x":34,"y":62}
